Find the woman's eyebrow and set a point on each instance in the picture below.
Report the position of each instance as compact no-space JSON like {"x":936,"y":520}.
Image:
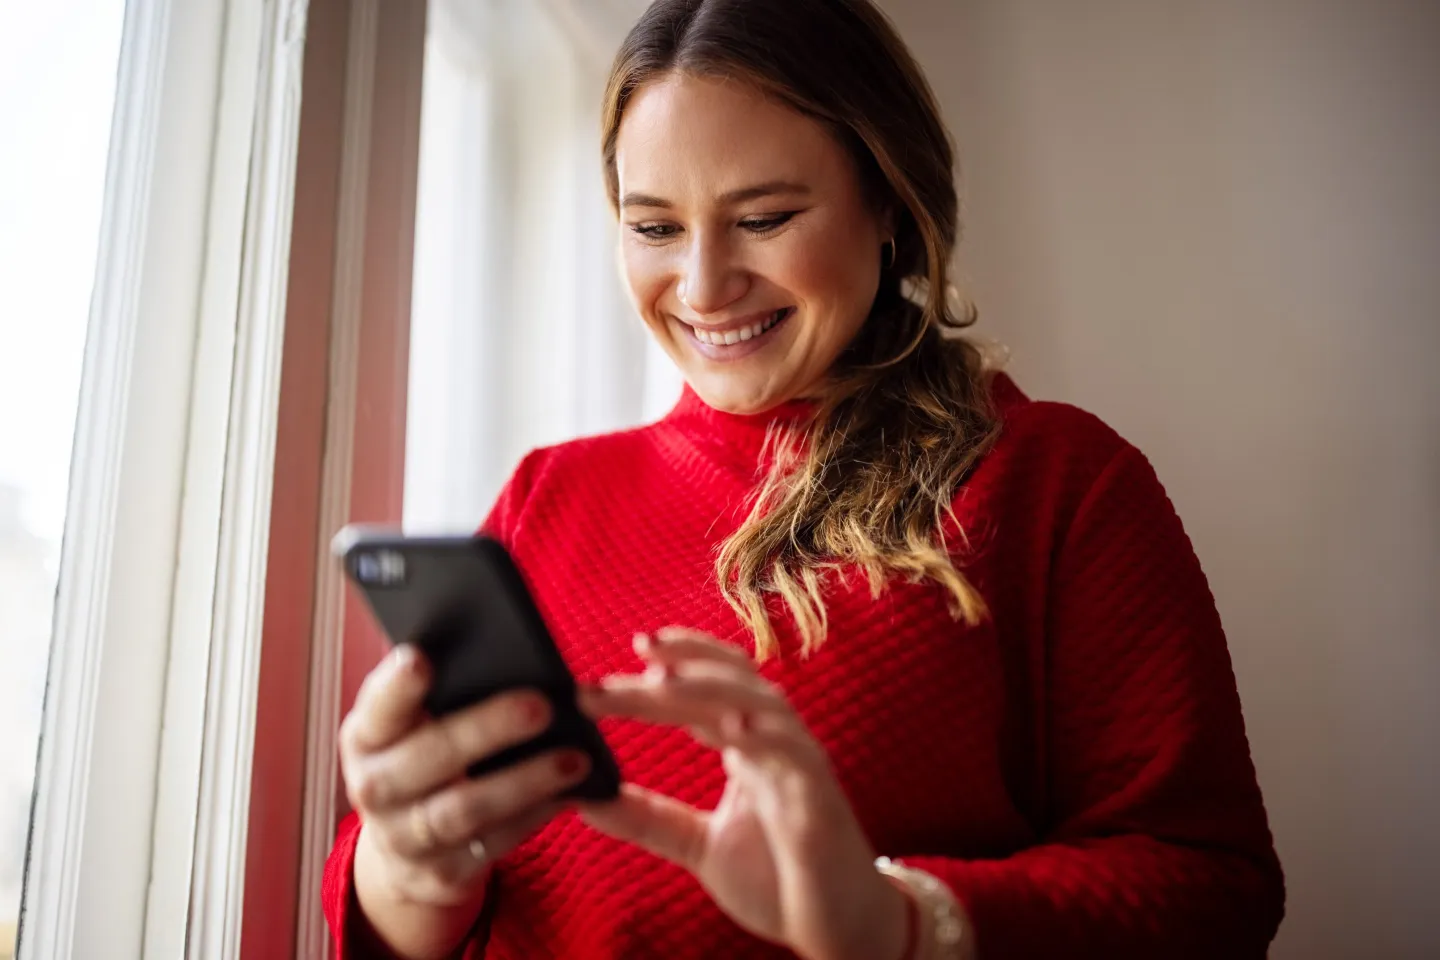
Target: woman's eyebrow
{"x":743,"y":195}
{"x":771,"y":188}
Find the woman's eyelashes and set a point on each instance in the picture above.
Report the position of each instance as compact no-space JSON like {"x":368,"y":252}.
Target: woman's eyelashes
{"x":767,"y":224}
{"x":655,"y":231}
{"x":759,"y":226}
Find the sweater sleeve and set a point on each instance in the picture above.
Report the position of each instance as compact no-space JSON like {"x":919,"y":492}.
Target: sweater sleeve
{"x":353,"y":937}
{"x":1156,"y":841}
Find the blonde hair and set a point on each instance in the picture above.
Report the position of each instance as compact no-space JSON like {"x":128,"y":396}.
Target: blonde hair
{"x":868,"y":481}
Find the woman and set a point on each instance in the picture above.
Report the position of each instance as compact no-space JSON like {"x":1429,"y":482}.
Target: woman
{"x":922,"y":617}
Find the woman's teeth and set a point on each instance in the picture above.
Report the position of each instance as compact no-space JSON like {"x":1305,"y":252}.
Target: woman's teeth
{"x":718,"y":339}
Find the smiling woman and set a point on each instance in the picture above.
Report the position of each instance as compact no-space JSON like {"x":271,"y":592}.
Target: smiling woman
{"x":897,"y":663}
{"x":740,"y":244}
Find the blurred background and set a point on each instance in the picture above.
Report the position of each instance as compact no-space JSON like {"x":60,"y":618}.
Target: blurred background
{"x":1215,"y":224}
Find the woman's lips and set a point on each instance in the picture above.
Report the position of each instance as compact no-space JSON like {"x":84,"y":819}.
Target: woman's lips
{"x":746,"y":339}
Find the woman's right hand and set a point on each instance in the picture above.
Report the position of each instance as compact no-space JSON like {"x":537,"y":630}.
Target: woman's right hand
{"x":429,"y":833}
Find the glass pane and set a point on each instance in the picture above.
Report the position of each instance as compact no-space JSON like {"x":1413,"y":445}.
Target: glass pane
{"x":57,"y":90}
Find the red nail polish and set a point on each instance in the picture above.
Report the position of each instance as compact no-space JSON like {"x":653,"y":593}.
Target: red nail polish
{"x":570,"y":765}
{"x":534,"y":712}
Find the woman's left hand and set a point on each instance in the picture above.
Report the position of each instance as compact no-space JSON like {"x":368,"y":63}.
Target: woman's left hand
{"x":783,"y":853}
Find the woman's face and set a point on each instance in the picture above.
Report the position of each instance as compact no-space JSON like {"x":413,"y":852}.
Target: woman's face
{"x":747,"y":240}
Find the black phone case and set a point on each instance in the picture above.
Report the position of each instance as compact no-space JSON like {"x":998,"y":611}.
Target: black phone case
{"x":464,"y":603}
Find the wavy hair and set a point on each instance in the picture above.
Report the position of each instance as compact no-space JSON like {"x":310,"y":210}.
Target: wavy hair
{"x":868,"y":481}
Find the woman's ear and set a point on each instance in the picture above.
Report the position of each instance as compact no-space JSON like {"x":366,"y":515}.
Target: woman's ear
{"x":887,"y":221}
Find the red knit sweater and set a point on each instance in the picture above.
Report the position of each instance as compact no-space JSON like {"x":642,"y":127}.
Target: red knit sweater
{"x":1075,"y":768}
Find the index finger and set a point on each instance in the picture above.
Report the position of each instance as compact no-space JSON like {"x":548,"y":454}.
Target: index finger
{"x":674,"y":644}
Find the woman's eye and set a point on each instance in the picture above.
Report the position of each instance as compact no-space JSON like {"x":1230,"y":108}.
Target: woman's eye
{"x":756,"y":225}
{"x":766,"y":224}
{"x":656,"y":231}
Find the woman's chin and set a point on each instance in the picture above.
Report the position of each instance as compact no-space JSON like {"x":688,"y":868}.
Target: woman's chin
{"x":723,"y":393}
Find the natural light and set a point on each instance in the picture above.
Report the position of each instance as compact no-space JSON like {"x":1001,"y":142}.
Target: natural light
{"x":1104,"y":627}
{"x":57,"y":87}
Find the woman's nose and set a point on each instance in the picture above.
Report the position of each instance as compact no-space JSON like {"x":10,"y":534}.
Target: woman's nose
{"x":709,"y":280}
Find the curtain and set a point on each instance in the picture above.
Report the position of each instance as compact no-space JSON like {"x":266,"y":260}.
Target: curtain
{"x":521,"y":331}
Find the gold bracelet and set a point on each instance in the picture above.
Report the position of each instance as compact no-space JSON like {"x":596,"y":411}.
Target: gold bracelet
{"x":946,"y":934}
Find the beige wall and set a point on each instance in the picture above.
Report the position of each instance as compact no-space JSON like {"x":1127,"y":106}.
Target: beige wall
{"x":1218,"y":226}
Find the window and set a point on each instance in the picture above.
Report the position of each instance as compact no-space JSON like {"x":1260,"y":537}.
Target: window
{"x":204,"y":647}
{"x":146,"y":736}
{"x":57,"y":89}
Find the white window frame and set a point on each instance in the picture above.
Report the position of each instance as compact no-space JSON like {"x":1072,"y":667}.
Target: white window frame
{"x":139,"y":834}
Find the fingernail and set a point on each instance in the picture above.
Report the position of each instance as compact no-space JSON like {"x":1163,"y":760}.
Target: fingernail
{"x":642,"y":644}
{"x":405,"y":658}
{"x":570,"y":764}
{"x":534,"y":711}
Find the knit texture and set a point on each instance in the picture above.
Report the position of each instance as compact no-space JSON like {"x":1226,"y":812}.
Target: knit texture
{"x":1075,"y":768}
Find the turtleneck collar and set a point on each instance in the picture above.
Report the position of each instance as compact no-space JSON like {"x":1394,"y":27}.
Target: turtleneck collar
{"x":739,"y":439}
{"x":741,"y":435}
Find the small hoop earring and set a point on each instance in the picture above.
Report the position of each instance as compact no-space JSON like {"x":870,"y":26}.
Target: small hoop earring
{"x":887,"y":253}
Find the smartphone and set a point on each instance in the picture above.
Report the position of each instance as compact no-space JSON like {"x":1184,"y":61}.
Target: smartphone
{"x":464,"y":603}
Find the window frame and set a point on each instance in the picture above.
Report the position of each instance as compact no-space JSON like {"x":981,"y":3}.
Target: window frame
{"x":357,"y":264}
{"x":243,"y":396}
{"x":149,"y":766}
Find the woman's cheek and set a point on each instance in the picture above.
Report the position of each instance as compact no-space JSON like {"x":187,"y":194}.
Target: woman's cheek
{"x":837,"y":274}
{"x":808,"y":263}
{"x":648,"y":278}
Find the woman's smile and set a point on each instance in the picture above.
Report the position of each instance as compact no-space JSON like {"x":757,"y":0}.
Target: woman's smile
{"x":727,"y":342}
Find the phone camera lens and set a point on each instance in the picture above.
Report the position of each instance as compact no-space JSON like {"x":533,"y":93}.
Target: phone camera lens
{"x":383,"y":568}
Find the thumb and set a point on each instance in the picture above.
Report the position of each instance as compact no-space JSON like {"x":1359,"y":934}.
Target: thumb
{"x":390,"y":700}
{"x":652,"y":821}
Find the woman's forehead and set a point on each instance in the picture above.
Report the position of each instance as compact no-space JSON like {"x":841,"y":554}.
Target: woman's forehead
{"x":701,"y":137}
